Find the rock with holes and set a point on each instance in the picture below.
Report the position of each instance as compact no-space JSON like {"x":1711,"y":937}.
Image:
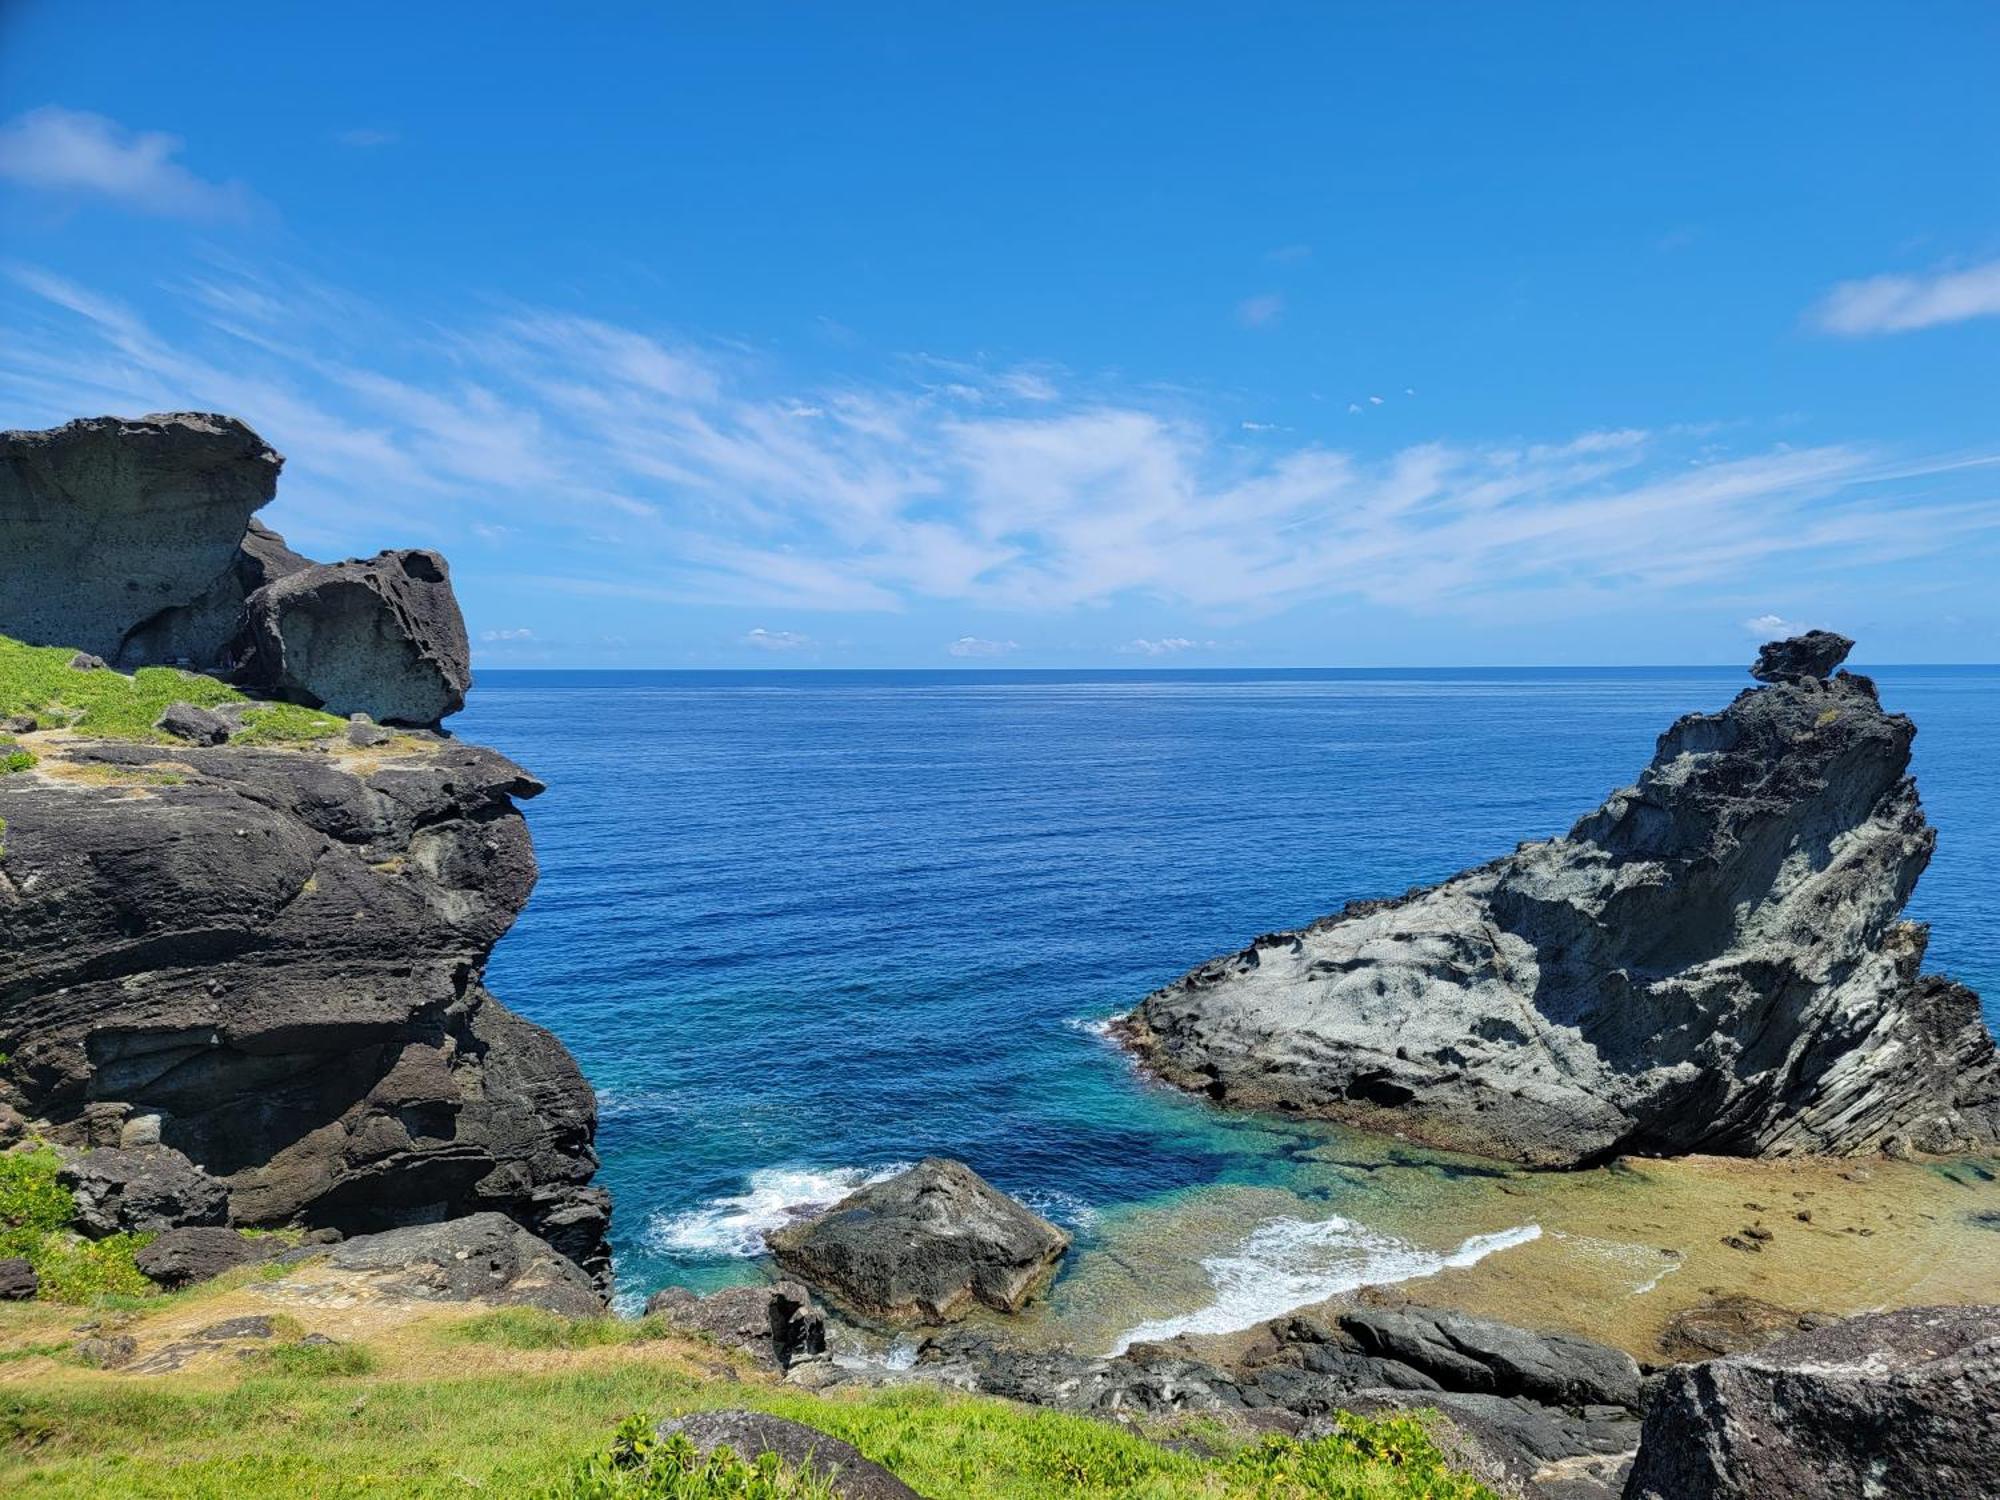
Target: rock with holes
{"x":1891,"y":1404}
{"x":924,"y":1246}
{"x":141,"y":1191}
{"x":1714,"y":960}
{"x":123,"y":536}
{"x":381,"y":636}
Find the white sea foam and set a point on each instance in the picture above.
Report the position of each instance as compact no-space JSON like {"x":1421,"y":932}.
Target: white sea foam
{"x":1097,"y":1026}
{"x":1061,"y":1207}
{"x":1289,"y":1263}
{"x":774,"y":1197}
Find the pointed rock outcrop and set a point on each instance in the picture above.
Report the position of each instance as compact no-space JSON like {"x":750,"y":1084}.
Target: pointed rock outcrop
{"x":1714,"y":960}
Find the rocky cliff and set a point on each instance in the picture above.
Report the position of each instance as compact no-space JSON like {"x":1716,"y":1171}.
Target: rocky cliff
{"x":259,"y":941}
{"x":1714,"y":960}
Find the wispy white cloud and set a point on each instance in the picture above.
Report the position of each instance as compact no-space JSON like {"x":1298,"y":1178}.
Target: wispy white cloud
{"x":1172,"y":645}
{"x":1773,"y":627}
{"x":776,"y":640}
{"x":520,"y":633}
{"x":1898,"y":304}
{"x":1260,"y":311}
{"x":630,"y":463}
{"x":366,"y":138}
{"x":972,"y":645}
{"x":74,"y":152}
{"x":1289,"y":255}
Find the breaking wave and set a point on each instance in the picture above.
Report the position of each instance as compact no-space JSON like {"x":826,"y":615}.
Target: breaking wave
{"x":1289,"y":1263}
{"x":774,"y":1196}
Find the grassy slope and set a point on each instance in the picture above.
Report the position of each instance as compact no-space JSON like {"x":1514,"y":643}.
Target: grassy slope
{"x":39,"y":681}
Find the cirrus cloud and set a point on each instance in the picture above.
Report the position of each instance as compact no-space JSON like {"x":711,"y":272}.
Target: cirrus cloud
{"x":75,"y":152}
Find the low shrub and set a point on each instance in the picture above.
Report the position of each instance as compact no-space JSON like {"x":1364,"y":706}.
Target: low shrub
{"x":315,"y":1360}
{"x":639,"y":1466}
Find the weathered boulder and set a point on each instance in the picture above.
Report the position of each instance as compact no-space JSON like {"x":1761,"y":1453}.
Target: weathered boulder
{"x":751,"y":1434}
{"x":1801,"y":657}
{"x":140,"y":1191}
{"x":381,"y":636}
{"x":1712,"y":961}
{"x":198,"y":726}
{"x":1482,"y":1356}
{"x":1892,"y":1404}
{"x":137,"y":523}
{"x":1730,"y":1325}
{"x":184,"y":1257}
{"x":18,"y":1281}
{"x":778,"y":1325}
{"x":274,"y":961}
{"x":923,"y":1246}
{"x":484,"y":1257}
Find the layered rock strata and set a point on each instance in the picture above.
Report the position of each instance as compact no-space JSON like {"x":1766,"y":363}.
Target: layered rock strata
{"x":1714,"y":960}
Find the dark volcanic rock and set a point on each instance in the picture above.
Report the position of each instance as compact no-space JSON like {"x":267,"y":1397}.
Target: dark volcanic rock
{"x":480,"y":1258}
{"x":777,"y":1324}
{"x":111,"y":527}
{"x":184,"y":1257}
{"x":1479,"y":1355}
{"x":381,"y":636}
{"x":106,"y":1351}
{"x":749,"y":1434}
{"x":1730,"y":1325}
{"x":1815,"y":654}
{"x":923,"y":1246}
{"x":199,"y":726}
{"x":1712,"y":961}
{"x":18,"y":1281}
{"x":1892,"y":1404}
{"x":275,"y":963}
{"x":143,"y":1190}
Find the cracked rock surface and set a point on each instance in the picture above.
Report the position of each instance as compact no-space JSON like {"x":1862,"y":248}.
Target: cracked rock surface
{"x":1714,"y":960}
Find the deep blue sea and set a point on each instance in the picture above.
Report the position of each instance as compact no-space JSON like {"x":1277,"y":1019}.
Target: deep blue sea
{"x":800,"y":927}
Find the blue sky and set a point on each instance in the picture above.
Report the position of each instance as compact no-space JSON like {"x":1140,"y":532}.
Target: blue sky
{"x":1061,"y":336}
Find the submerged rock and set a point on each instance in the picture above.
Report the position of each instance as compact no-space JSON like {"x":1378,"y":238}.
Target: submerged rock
{"x":923,"y":1247}
{"x":381,"y":636}
{"x":122,"y":537}
{"x":1891,"y":1404}
{"x":1711,"y":961}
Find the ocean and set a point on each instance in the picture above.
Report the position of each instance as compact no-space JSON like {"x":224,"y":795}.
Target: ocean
{"x":801,"y":927}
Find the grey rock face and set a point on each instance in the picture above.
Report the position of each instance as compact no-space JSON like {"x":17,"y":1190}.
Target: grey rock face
{"x":381,"y":636}
{"x":198,"y":726}
{"x":1711,"y":961}
{"x":750,"y":1434}
{"x":141,"y":520}
{"x":1801,"y":657}
{"x":778,"y":1325}
{"x":184,"y":1257}
{"x":141,"y":1191}
{"x":18,"y":1281}
{"x":483,"y":1257}
{"x":923,"y":1247}
{"x":279,"y":959}
{"x":1898,"y":1403}
{"x":1545,"y":1414}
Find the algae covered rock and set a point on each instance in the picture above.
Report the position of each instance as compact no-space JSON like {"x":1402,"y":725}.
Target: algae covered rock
{"x":923,"y":1246}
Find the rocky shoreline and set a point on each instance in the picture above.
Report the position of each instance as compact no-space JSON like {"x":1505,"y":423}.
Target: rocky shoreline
{"x":249,"y":887}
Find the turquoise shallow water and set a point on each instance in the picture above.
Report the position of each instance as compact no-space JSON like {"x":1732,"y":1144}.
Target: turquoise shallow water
{"x":799,"y":927}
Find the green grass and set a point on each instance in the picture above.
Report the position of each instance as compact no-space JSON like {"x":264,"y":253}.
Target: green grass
{"x":537,"y":1328}
{"x":638,"y":1466}
{"x":285,"y":724}
{"x":35,"y":1210}
{"x":522,"y":1433}
{"x":39,"y":680}
{"x":316,"y":1361}
{"x":16,"y":760}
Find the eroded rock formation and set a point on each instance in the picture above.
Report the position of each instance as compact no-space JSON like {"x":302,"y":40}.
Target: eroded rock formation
{"x":267,"y":960}
{"x":132,"y":539}
{"x":923,"y":1246}
{"x":1714,"y":960}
